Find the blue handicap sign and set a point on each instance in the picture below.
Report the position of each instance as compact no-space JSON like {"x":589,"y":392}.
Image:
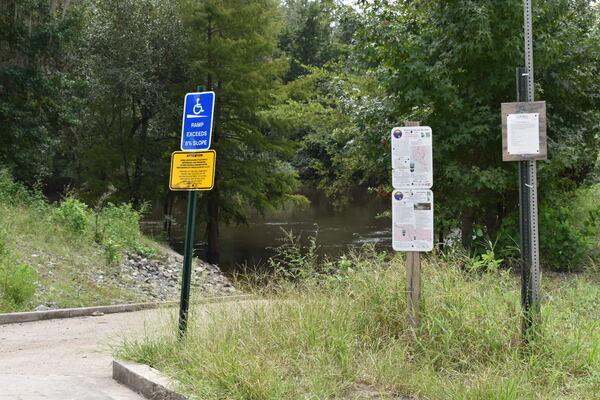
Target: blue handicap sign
{"x":196,"y":128}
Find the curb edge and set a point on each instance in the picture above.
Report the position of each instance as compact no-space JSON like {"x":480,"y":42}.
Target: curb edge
{"x":31,"y":316}
{"x":145,"y":380}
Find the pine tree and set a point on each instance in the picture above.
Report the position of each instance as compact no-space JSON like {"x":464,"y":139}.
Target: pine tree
{"x":233,"y":46}
{"x":308,"y":36}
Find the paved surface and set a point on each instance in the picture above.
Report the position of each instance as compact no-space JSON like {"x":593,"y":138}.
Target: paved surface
{"x":68,"y":359}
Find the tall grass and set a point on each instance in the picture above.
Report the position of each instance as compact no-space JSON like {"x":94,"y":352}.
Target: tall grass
{"x":329,"y":336}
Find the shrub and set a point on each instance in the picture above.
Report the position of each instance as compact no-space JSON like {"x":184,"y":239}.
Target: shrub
{"x":112,"y":252}
{"x":73,"y":214}
{"x":486,"y":262}
{"x":17,"y":286}
{"x":16,"y":193}
{"x":17,"y":282}
{"x":563,"y":245}
{"x":569,"y":231}
{"x":118,"y":229}
{"x":294,"y":261}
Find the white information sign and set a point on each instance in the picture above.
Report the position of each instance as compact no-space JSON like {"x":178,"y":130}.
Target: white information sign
{"x":523,"y":133}
{"x":412,"y":220}
{"x":412,"y":162}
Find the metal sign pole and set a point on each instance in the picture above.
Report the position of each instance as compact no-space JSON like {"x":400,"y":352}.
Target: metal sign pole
{"x":528,"y":199}
{"x":188,"y":253}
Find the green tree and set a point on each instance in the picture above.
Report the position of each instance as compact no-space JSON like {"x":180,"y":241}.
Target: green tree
{"x":450,"y":64}
{"x":34,"y":106}
{"x":309,"y":35}
{"x":233,"y":52}
{"x":132,"y":57}
{"x":334,"y":107}
{"x":340,"y":116}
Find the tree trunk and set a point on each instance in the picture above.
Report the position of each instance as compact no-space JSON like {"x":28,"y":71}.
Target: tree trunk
{"x":493,"y":220}
{"x":212,"y":208}
{"x":168,"y":214}
{"x":64,"y":9}
{"x":466,"y":227}
{"x":136,"y":192}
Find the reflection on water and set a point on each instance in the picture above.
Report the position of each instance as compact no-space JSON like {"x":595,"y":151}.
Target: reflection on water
{"x":253,"y":244}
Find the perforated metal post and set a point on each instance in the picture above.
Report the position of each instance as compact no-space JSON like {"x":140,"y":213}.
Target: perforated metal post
{"x":531,"y":277}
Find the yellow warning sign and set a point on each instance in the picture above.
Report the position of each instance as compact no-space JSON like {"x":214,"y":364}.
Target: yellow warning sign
{"x":193,"y":170}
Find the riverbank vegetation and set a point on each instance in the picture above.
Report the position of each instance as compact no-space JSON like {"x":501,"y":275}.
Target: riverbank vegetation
{"x":53,"y":254}
{"x":338,"y":330}
{"x":307,"y":92}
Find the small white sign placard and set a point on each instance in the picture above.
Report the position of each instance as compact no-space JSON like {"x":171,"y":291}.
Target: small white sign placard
{"x":523,"y":133}
{"x":412,"y":162}
{"x":412,"y":220}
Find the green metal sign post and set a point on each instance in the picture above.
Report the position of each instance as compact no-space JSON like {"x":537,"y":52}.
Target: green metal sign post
{"x":188,"y":254}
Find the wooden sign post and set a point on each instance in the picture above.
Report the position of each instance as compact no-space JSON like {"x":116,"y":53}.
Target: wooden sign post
{"x":413,"y":276}
{"x":412,"y":205}
{"x":413,"y":287}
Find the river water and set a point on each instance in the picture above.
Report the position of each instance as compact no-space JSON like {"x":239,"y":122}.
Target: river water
{"x":337,"y":230}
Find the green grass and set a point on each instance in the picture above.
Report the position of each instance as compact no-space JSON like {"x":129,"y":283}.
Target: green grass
{"x":336,"y":336}
{"x":66,"y":264}
{"x":51,"y":254}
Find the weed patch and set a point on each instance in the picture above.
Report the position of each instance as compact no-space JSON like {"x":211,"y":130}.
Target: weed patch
{"x":321,"y":335}
{"x":17,"y":286}
{"x":53,"y":253}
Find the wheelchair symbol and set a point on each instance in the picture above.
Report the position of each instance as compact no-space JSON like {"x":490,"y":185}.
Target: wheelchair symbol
{"x":198,"y":107}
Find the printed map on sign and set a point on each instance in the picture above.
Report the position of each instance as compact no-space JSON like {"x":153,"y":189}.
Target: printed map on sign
{"x":412,"y":161}
{"x":412,"y":220}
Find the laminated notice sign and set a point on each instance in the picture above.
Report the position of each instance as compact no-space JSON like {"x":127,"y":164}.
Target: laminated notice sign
{"x":412,"y":162}
{"x":412,"y":220}
{"x":193,"y":170}
{"x":523,"y":133}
